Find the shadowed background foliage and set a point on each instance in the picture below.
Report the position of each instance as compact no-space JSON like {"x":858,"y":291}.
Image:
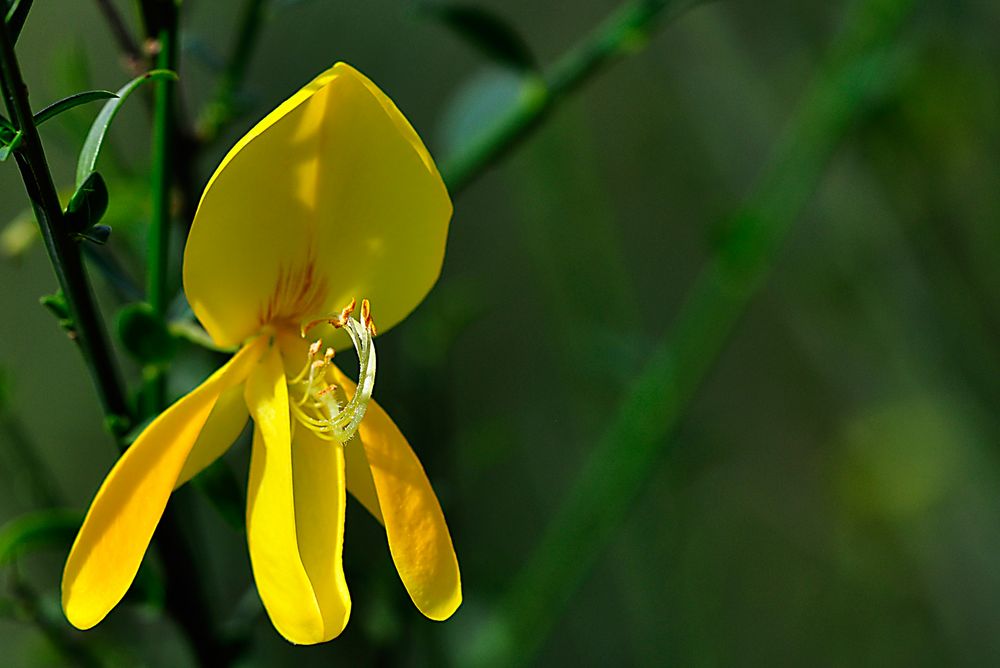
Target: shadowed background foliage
{"x":830,"y":495}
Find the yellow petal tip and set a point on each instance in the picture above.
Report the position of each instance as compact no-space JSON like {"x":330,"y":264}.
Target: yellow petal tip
{"x":81,"y":619}
{"x":443,"y":610}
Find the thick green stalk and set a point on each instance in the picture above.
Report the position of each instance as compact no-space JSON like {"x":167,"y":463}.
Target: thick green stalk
{"x":618,"y":36}
{"x":626,"y":455}
{"x":164,"y":138}
{"x":63,"y":250}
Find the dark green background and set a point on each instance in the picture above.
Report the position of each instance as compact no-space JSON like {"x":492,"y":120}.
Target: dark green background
{"x":831,"y":497}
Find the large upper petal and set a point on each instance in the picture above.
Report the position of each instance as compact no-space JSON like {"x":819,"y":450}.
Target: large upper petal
{"x":120,"y":523}
{"x":331,"y":197}
{"x":419,"y":540}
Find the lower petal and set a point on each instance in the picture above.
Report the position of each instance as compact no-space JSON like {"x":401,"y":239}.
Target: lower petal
{"x":224,"y":426}
{"x":282,"y":581}
{"x":418,"y":536}
{"x":359,"y":478}
{"x":120,"y":523}
{"x":320,"y":501}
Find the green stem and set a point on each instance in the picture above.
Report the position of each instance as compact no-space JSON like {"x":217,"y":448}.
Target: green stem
{"x":64,"y":251}
{"x":164,"y":137}
{"x":616,"y":37}
{"x":626,"y":455}
{"x":223,"y":108}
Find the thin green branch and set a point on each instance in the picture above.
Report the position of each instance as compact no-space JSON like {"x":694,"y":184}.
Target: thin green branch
{"x":223,"y":108}
{"x":88,"y":331}
{"x":63,"y":251}
{"x":127,"y":44}
{"x":863,"y":66}
{"x":618,"y":36}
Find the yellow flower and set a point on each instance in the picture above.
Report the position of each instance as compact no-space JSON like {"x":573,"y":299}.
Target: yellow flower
{"x":331,"y":196}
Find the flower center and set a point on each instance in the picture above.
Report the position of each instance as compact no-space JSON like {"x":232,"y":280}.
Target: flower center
{"x":316,"y":401}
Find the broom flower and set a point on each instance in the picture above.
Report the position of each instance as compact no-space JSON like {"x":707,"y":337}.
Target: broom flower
{"x":330,"y":198}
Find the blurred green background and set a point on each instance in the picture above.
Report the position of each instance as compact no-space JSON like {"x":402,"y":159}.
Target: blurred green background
{"x":832,"y":494}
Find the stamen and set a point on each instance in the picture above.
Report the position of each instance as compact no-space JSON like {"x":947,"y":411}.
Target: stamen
{"x":366,"y":316}
{"x":313,"y":352}
{"x":318,"y":406}
{"x":338,"y":321}
{"x":346,"y":312}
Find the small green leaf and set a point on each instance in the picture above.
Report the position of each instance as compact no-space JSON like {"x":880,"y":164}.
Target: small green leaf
{"x":68,"y":103}
{"x":97,"y":234}
{"x":10,"y":146}
{"x":56,"y":304}
{"x":37,"y":530}
{"x":6,"y":126}
{"x":87,"y":205}
{"x":95,"y":138}
{"x":17,"y":14}
{"x":145,"y":335}
{"x":487,"y":32}
{"x":7,"y":133}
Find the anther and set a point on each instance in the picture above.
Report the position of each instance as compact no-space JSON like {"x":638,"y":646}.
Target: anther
{"x":346,"y":312}
{"x":366,"y":317}
{"x":337,"y":321}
